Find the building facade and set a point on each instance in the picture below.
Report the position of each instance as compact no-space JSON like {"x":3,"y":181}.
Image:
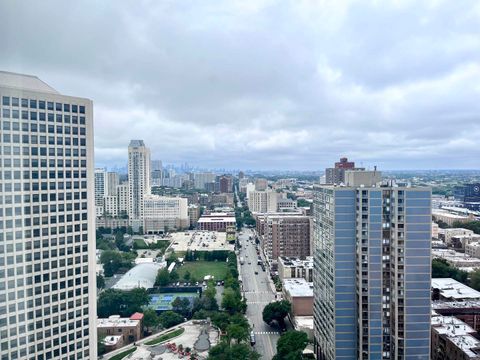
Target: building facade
{"x":100,"y":175}
{"x":138,"y":178}
{"x":47,"y":241}
{"x":122,"y":199}
{"x":162,"y":213}
{"x":263,"y":201}
{"x":111,"y":182}
{"x":372,"y":272}
{"x":336,"y":175}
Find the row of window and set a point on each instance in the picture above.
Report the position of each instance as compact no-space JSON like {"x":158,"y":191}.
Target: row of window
{"x":33,"y":163}
{"x":42,"y":105}
{"x":42,"y":151}
{"x":42,"y":128}
{"x":34,"y":116}
{"x":45,"y":232}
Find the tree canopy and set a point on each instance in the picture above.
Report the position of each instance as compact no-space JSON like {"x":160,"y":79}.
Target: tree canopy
{"x":290,"y":345}
{"x":276,"y":311}
{"x":170,"y":318}
{"x":123,"y":303}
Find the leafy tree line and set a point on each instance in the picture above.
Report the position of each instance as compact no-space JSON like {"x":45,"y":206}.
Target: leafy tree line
{"x":442,"y":269}
{"x":471,"y":225}
{"x":116,"y":261}
{"x":216,"y":255}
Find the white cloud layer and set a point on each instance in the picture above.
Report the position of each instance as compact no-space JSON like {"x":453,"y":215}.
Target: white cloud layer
{"x":263,"y":84}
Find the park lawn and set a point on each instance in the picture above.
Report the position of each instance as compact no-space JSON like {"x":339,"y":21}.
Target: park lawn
{"x":123,"y":354}
{"x":141,"y":244}
{"x":199,"y":269}
{"x":165,"y":337}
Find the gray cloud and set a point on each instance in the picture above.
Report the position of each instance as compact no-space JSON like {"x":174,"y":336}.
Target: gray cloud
{"x":263,"y":84}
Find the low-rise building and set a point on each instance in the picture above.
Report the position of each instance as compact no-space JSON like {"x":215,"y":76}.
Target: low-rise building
{"x":447,"y":234}
{"x":448,"y":289}
{"x":449,"y":218}
{"x":461,"y":241}
{"x":216,"y":221}
{"x":290,"y":267}
{"x":473,"y":249}
{"x":467,"y":311}
{"x":130,"y":329}
{"x":193,"y":214}
{"x":299,"y":293}
{"x":140,"y":276}
{"x":452,"y":339}
{"x":458,"y":259}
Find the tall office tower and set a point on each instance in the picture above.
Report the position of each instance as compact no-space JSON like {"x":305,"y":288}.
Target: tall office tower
{"x":138,"y":178}
{"x":47,"y":221}
{"x":372,"y":272}
{"x":157,"y":172}
{"x":111,"y":182}
{"x":336,"y":175}
{"x":100,"y":175}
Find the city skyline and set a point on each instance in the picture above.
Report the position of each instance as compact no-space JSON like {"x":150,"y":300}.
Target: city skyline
{"x":279,"y":94}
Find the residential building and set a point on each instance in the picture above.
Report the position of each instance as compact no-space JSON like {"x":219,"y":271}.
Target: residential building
{"x":287,"y":235}
{"x":111,"y":182}
{"x":216,"y":222}
{"x":162,"y":213}
{"x":110,"y":205}
{"x":130,"y":329}
{"x":372,"y":272}
{"x":286,"y":205}
{"x":468,"y":311}
{"x":193,"y":214}
{"x":156,"y":172}
{"x":200,"y":179}
{"x":473,"y":248}
{"x":263,"y":201}
{"x":448,"y":289}
{"x":299,"y":293}
{"x":452,"y":339}
{"x":261,"y":184}
{"x":138,"y":178}
{"x":292,"y":267}
{"x":450,"y":218}
{"x":122,"y":199}
{"x":47,"y":272}
{"x":225,"y":184}
{"x":356,"y":178}
{"x":100,"y":175}
{"x":336,"y":175}
{"x":446,"y":234}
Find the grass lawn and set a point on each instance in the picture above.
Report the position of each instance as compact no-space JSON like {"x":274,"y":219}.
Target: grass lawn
{"x":140,"y":244}
{"x":199,"y":269}
{"x":165,"y":337}
{"x":123,"y":354}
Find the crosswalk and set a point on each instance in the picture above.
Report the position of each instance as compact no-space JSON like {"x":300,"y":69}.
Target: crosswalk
{"x":257,"y":292}
{"x":266,"y":333}
{"x":257,"y":302}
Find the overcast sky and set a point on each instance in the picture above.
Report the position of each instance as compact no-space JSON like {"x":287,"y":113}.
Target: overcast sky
{"x":263,"y":84}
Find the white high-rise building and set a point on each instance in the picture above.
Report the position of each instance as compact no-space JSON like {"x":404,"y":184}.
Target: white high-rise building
{"x":138,"y":178}
{"x":111,"y":182}
{"x":100,"y":177}
{"x":262,"y":201}
{"x":47,"y":222}
{"x":122,"y":199}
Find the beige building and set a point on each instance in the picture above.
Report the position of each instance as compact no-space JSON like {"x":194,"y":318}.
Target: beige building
{"x":261,"y":184}
{"x":162,"y":213}
{"x":446,"y":235}
{"x":473,"y":249}
{"x":263,"y":201}
{"x":289,"y":267}
{"x":450,"y":218}
{"x":299,"y":293}
{"x":130,"y":329}
{"x":193,"y":214}
{"x":122,"y":199}
{"x":111,"y":205}
{"x":138,"y":178}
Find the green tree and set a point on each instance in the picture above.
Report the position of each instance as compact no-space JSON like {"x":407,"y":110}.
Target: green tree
{"x":182,"y":306}
{"x":237,"y":332}
{"x":441,"y":268}
{"x":186,"y":276}
{"x":475,"y":279}
{"x":223,"y":351}
{"x":123,"y":303}
{"x":115,"y":261}
{"x":231,"y":301}
{"x":174,"y":276}
{"x":150,"y":318}
{"x":471,"y":225}
{"x":100,"y":345}
{"x":276,"y":311}
{"x":100,"y":282}
{"x":163,"y":277}
{"x":291,"y":345}
{"x":170,"y":318}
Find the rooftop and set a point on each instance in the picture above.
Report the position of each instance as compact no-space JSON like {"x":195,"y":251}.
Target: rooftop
{"x":142,"y":275}
{"x":136,"y":143}
{"x":112,"y":340}
{"x":24,"y":82}
{"x":210,"y":218}
{"x":296,"y":262}
{"x":457,"y":332}
{"x":452,"y":289}
{"x":200,"y":240}
{"x":298,"y":287}
{"x":116,"y":321}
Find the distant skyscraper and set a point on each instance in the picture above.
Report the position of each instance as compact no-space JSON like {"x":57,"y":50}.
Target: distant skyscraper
{"x":100,"y":175}
{"x":336,"y":175}
{"x":157,"y":172}
{"x":47,"y":220}
{"x":138,"y":178}
{"x":372,"y":272}
{"x":261,"y":184}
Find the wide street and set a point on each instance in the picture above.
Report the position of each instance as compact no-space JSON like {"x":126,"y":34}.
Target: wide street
{"x":258,"y":292}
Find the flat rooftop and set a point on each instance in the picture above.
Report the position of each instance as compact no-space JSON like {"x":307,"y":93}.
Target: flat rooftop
{"x":296,"y":262}
{"x":24,"y":82}
{"x":116,"y":321}
{"x":298,"y":287}
{"x":200,"y":240}
{"x":453,"y":289}
{"x":211,"y":219}
{"x":457,"y":332}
